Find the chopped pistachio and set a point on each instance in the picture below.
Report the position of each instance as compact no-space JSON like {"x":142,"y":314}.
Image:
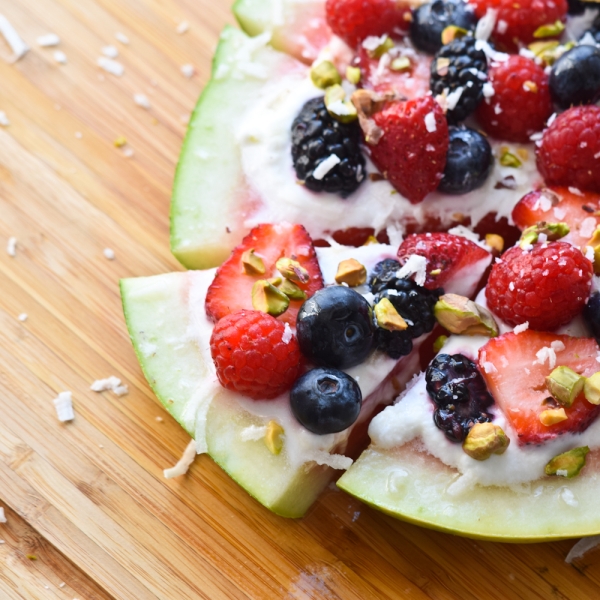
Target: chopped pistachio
{"x":268,"y":299}
{"x":252,"y":264}
{"x":551,"y":416}
{"x":485,"y":439}
{"x":546,"y":51}
{"x":385,"y":46}
{"x":276,"y":281}
{"x":120,"y":141}
{"x":523,"y":154}
{"x":451,"y":33}
{"x":351,"y":272}
{"x":549,"y":30}
{"x":591,"y":389}
{"x":274,"y":437}
{"x":530,"y":86}
{"x":435,"y":272}
{"x":371,"y":240}
{"x":460,"y":315}
{"x":439,"y":343}
{"x":292,"y":270}
{"x":565,"y":385}
{"x":338,"y":107}
{"x":388,"y":317}
{"x":291,"y":290}
{"x":495,"y":241}
{"x":402,"y":63}
{"x":353,"y":75}
{"x":31,"y":556}
{"x":508,"y":159}
{"x":442,"y":65}
{"x":594,"y":243}
{"x":568,"y":464}
{"x":325,"y":75}
{"x":552,"y":231}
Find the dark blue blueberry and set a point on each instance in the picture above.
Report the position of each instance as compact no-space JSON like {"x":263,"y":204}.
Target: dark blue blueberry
{"x":459,"y":393}
{"x":335,"y":328}
{"x":576,"y":7}
{"x":383,"y":273}
{"x":469,"y":161}
{"x":326,"y":400}
{"x":591,"y":315}
{"x":575,"y":77}
{"x":429,"y":20}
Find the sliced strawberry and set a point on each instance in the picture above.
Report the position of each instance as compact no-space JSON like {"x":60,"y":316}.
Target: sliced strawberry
{"x":580,"y":210}
{"x":231,"y":289}
{"x":516,"y":379}
{"x":447,"y":253}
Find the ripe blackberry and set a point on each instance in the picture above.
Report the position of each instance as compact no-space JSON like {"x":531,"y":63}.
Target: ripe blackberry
{"x":460,"y":64}
{"x":459,"y":392}
{"x":415,"y":304}
{"x":383,"y":273}
{"x":430,"y":20}
{"x":317,"y":136}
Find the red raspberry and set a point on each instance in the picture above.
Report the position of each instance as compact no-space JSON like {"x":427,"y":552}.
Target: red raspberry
{"x":516,"y":22}
{"x":569,"y":154}
{"x":356,"y":20}
{"x":412,"y":152}
{"x":521,"y":105}
{"x":251,"y":356}
{"x":547,"y":286}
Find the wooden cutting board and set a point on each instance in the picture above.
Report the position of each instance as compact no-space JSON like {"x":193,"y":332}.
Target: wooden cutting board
{"x":89,"y":513}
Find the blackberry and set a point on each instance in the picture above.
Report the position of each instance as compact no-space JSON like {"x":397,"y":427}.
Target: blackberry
{"x":383,"y":273}
{"x":460,"y":64}
{"x":429,"y":20}
{"x":316,"y":136}
{"x":575,"y":77}
{"x":415,"y":304}
{"x":459,"y":392}
{"x":576,"y":7}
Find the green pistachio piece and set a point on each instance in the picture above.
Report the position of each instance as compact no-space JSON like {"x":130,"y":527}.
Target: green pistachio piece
{"x":485,"y":439}
{"x":552,"y":416}
{"x":549,"y":30}
{"x":565,"y":385}
{"x":385,"y":45}
{"x":595,"y":244}
{"x":274,"y":437}
{"x":567,"y":464}
{"x":292,"y":270}
{"x":401,"y":63}
{"x":351,"y":272}
{"x":591,"y":389}
{"x":552,"y":231}
{"x":508,"y":159}
{"x":353,"y":75}
{"x":460,"y":315}
{"x":252,"y":264}
{"x":340,"y":109}
{"x":291,"y":290}
{"x":495,"y":241}
{"x":268,"y":299}
{"x":388,"y":317}
{"x":439,"y":343}
{"x":325,"y":75}
{"x":451,"y":33}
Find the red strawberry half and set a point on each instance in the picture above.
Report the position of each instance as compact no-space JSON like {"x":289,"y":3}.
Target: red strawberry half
{"x":580,"y":210}
{"x":516,"y":379}
{"x":449,"y":254}
{"x":231,"y":289}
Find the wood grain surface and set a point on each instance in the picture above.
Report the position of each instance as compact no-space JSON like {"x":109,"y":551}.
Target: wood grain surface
{"x":86,"y":503}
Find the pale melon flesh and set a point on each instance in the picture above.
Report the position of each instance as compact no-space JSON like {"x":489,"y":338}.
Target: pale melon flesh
{"x":411,"y":485}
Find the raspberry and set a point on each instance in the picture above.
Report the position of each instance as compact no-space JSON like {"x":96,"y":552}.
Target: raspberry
{"x":516,"y":22}
{"x":251,"y":356}
{"x":569,"y":154}
{"x":547,"y":286}
{"x":521,"y":104}
{"x":356,"y":20}
{"x":412,"y":152}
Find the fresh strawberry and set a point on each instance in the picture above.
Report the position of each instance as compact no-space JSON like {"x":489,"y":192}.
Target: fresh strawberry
{"x":449,"y":254}
{"x":231,"y":289}
{"x":516,"y":22}
{"x":515,"y":375}
{"x":521,"y":104}
{"x":569,"y":153}
{"x":254,"y":355}
{"x":412,"y":152}
{"x":580,"y":210}
{"x":356,"y":20}
{"x":546,"y":286}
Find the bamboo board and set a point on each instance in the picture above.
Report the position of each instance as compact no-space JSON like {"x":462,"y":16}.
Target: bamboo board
{"x":87,"y":501}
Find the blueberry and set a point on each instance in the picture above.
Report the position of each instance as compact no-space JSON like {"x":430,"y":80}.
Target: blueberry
{"x":591,"y":315}
{"x":575,"y":77}
{"x":383,"y":273}
{"x":326,"y":400}
{"x":468,"y":163}
{"x":335,"y":328}
{"x":429,"y":20}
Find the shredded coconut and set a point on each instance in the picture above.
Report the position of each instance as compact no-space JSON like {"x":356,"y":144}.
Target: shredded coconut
{"x":287,"y":334}
{"x":373,"y":42}
{"x":469,"y":234}
{"x":121,"y":37}
{"x":453,"y":98}
{"x":64,"y":407}
{"x":47,"y":40}
{"x":568,"y":497}
{"x":23,"y":317}
{"x":521,"y":328}
{"x":60,"y":57}
{"x":2,"y":516}
{"x":548,"y":353}
{"x":502,"y":27}
{"x":587,"y":227}
{"x":581,"y":547}
{"x":485,"y":26}
{"x":4,"y":119}
{"x":562,"y":472}
{"x":416,"y":265}
{"x":109,"y":254}
{"x":253,"y":433}
{"x":142,"y":100}
{"x":188,"y":71}
{"x":325,"y":166}
{"x":589,"y":253}
{"x":110,"y":51}
{"x":489,"y":367}
{"x":184,"y":463}
{"x":13,"y":39}
{"x":488,"y":91}
{"x":11,"y":247}
{"x":430,"y":122}
{"x":112,"y":384}
{"x":111,"y":66}
{"x":183,"y":27}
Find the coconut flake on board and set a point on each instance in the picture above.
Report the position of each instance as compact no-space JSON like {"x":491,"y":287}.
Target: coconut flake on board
{"x":64,"y":407}
{"x":2,"y":515}
{"x":11,"y":247}
{"x":48,"y":40}
{"x":111,"y":66}
{"x":184,"y":463}
{"x":112,"y":384}
{"x":4,"y":121}
{"x":13,"y":39}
